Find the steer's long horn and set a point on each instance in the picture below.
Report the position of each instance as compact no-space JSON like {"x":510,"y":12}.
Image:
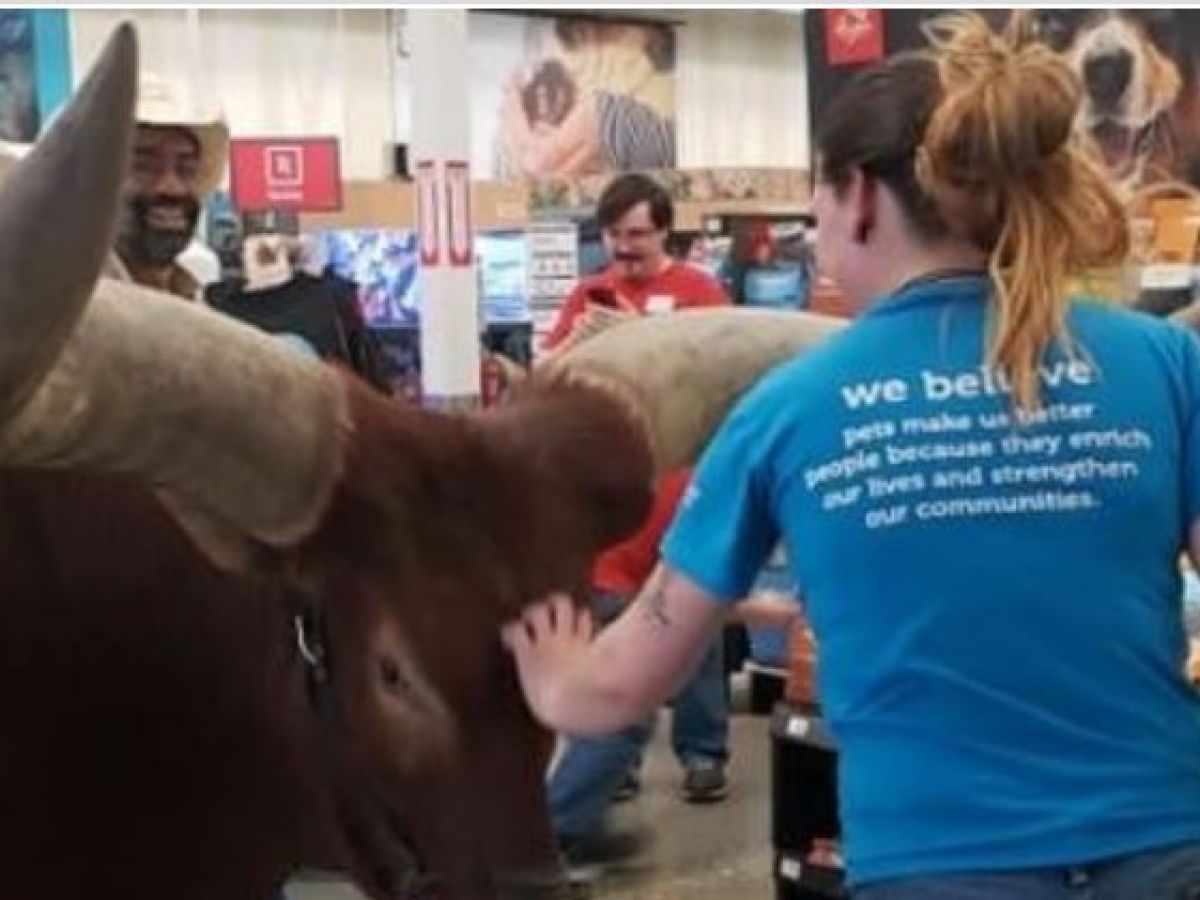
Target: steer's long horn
{"x":226,"y":419}
{"x":680,"y":374}
{"x":242,"y":435}
{"x":58,"y":210}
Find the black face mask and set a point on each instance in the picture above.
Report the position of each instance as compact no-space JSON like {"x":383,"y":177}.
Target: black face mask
{"x":139,"y":242}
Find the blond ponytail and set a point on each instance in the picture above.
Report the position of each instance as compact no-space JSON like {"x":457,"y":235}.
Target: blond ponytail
{"x":1005,"y":169}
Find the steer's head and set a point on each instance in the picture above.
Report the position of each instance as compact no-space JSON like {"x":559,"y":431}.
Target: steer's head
{"x":410,"y":535}
{"x":439,"y":528}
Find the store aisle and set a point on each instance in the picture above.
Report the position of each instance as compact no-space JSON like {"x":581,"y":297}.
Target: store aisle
{"x":714,"y":852}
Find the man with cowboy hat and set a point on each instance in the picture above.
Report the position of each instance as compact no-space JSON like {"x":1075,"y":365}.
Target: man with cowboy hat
{"x":178,"y":159}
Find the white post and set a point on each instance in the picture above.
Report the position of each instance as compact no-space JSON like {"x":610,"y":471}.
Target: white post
{"x":440,"y":153}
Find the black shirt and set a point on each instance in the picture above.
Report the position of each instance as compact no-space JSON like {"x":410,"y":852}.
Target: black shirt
{"x":322,"y":312}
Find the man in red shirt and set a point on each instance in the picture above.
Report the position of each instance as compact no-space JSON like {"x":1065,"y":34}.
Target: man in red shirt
{"x":635,"y":215}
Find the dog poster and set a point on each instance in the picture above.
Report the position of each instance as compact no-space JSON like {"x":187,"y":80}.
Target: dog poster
{"x":560,"y":96}
{"x":1137,"y":68}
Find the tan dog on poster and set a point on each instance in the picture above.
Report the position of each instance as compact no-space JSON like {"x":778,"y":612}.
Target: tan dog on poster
{"x":1140,"y":106}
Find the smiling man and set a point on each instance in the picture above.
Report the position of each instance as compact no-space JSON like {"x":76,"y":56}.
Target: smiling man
{"x":178,"y":159}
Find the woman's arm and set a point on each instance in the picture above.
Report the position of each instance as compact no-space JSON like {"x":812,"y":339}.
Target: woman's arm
{"x":581,"y":686}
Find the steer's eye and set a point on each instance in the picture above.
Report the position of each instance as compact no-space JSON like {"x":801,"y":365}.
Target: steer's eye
{"x":392,"y":676}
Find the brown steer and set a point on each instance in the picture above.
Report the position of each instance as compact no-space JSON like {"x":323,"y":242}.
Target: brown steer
{"x":249,"y":609}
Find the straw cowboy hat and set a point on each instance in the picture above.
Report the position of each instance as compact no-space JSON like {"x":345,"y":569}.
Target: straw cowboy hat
{"x":161,"y":102}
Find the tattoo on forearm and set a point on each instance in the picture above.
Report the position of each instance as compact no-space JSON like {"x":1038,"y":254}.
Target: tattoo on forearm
{"x":656,"y":607}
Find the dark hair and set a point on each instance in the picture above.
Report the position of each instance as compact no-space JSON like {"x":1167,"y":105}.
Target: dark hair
{"x":897,"y":97}
{"x":975,"y":138}
{"x":554,"y":77}
{"x":660,"y":47}
{"x":626,"y":191}
{"x":571,"y":31}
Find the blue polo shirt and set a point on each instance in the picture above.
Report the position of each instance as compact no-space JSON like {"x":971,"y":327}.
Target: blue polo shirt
{"x":997,"y":604}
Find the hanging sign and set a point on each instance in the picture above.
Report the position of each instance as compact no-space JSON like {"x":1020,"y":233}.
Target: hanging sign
{"x":458,"y":213}
{"x":301,"y":174}
{"x":427,"y":212}
{"x":853,"y":36}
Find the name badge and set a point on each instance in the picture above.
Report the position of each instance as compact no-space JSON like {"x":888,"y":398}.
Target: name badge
{"x":657,"y":304}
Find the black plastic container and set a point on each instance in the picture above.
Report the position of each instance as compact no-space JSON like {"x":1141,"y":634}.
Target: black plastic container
{"x":803,"y":803}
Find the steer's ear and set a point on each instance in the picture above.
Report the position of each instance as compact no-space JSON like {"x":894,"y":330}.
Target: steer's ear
{"x":574,"y":475}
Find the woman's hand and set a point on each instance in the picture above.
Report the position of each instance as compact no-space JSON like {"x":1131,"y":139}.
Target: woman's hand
{"x":584,"y":687}
{"x":548,"y":642}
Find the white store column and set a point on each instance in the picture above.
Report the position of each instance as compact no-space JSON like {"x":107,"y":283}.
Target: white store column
{"x":440,"y":154}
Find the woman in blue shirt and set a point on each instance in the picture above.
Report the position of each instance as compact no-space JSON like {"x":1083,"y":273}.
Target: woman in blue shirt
{"x":983,"y":488}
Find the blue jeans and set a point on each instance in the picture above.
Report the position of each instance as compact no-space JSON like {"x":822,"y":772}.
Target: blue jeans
{"x":700,"y":723}
{"x":591,"y":769}
{"x":1165,"y":874}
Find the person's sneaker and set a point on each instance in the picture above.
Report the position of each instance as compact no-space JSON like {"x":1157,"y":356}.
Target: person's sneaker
{"x":629,"y":787}
{"x":587,"y":858}
{"x":602,"y":848}
{"x":704,"y":781}
{"x":582,"y":879}
{"x":581,"y":889}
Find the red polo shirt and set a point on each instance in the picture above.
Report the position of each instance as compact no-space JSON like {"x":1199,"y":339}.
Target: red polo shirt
{"x":678,"y":286}
{"x":624,"y":568}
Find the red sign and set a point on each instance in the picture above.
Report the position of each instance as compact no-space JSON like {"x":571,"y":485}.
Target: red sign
{"x":427,"y":212}
{"x":302,"y":174}
{"x":853,"y":36}
{"x":458,"y":212}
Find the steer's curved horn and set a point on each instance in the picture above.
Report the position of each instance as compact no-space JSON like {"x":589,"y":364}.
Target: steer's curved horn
{"x":680,"y":374}
{"x":58,"y":210}
{"x":229,"y":422}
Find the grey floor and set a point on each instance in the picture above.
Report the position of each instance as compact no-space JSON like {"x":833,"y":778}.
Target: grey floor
{"x":717,"y":852}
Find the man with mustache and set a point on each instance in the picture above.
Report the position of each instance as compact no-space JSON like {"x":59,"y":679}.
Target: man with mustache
{"x":635,"y":214}
{"x":178,"y":159}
